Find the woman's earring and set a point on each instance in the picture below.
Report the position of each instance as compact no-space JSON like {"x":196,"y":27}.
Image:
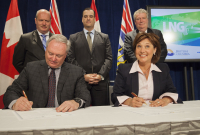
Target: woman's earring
{"x":154,"y":53}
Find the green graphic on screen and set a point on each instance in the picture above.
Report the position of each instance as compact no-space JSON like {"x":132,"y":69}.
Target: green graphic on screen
{"x":180,"y":28}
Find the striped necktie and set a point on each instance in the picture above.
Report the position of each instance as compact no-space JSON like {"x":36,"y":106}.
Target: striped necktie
{"x":44,"y":41}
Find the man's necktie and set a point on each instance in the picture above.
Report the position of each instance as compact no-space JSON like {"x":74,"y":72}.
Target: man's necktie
{"x":44,"y":41}
{"x":89,"y":40}
{"x":52,"y":88}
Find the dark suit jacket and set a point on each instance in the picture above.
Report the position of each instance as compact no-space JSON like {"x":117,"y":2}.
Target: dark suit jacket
{"x":128,"y":45}
{"x":29,"y":48}
{"x":126,"y":83}
{"x":34,"y":80}
{"x":99,"y":61}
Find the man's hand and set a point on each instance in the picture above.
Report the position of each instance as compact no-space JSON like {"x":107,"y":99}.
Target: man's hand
{"x":68,"y":106}
{"x":89,"y":78}
{"x":97,"y":79}
{"x":22,"y":104}
{"x":92,"y":78}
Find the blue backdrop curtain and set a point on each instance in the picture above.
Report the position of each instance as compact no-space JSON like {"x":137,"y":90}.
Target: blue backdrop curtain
{"x":110,"y":15}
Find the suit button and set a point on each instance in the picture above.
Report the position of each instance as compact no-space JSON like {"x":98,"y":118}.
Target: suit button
{"x":91,"y":58}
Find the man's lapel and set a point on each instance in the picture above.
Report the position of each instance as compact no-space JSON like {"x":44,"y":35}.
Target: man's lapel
{"x":37,"y":39}
{"x":44,"y":75}
{"x":96,"y":40}
{"x":84,"y":41}
{"x":135,"y":32}
{"x":50,"y":34}
{"x":149,"y":30}
{"x":64,"y":74}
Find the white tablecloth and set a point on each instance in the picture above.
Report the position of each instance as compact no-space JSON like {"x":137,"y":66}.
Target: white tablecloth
{"x":178,"y":119}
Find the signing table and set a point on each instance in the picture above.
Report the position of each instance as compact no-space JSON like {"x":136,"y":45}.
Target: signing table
{"x":173,"y":119}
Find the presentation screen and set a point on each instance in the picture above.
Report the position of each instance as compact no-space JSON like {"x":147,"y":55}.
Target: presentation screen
{"x":180,"y":27}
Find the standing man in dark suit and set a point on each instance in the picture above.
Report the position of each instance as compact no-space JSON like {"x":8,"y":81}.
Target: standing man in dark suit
{"x":31,"y":46}
{"x":66,"y":88}
{"x":141,"y":21}
{"x":91,"y":50}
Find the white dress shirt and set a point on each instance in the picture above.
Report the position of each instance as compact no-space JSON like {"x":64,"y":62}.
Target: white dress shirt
{"x":47,"y":35}
{"x":91,"y":34}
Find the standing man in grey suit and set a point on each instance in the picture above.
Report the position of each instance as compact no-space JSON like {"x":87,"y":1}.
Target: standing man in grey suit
{"x":31,"y":46}
{"x":91,"y":50}
{"x":141,"y":21}
{"x":49,"y":83}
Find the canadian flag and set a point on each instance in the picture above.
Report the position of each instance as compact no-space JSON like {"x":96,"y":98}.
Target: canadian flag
{"x":12,"y":33}
{"x":97,"y":23}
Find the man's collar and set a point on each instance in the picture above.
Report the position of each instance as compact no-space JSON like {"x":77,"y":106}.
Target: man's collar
{"x":146,"y":31}
{"x":85,"y":31}
{"x":56,"y":68}
{"x":142,"y":32}
{"x":43,"y":34}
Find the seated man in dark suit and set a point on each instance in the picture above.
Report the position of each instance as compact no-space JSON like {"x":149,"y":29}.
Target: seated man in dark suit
{"x":141,"y":22}
{"x":66,"y":88}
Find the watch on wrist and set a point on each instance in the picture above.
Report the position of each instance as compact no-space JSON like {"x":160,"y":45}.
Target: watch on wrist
{"x":78,"y":100}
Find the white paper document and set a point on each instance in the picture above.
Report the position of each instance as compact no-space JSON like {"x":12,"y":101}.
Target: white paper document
{"x":38,"y":113}
{"x":146,"y":110}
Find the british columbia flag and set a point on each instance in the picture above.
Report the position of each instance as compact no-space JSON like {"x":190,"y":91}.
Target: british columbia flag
{"x":55,"y":18}
{"x":126,"y":27}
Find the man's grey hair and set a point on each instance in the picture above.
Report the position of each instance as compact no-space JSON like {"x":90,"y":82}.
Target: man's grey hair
{"x":138,"y":12}
{"x":42,"y":10}
{"x":60,"y":39}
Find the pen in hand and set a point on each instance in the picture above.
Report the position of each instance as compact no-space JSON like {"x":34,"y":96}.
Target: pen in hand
{"x":25,"y":96}
{"x":22,"y":91}
{"x":136,"y":96}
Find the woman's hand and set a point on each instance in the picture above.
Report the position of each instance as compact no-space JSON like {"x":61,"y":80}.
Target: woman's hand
{"x":134,"y":102}
{"x":161,"y":102}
